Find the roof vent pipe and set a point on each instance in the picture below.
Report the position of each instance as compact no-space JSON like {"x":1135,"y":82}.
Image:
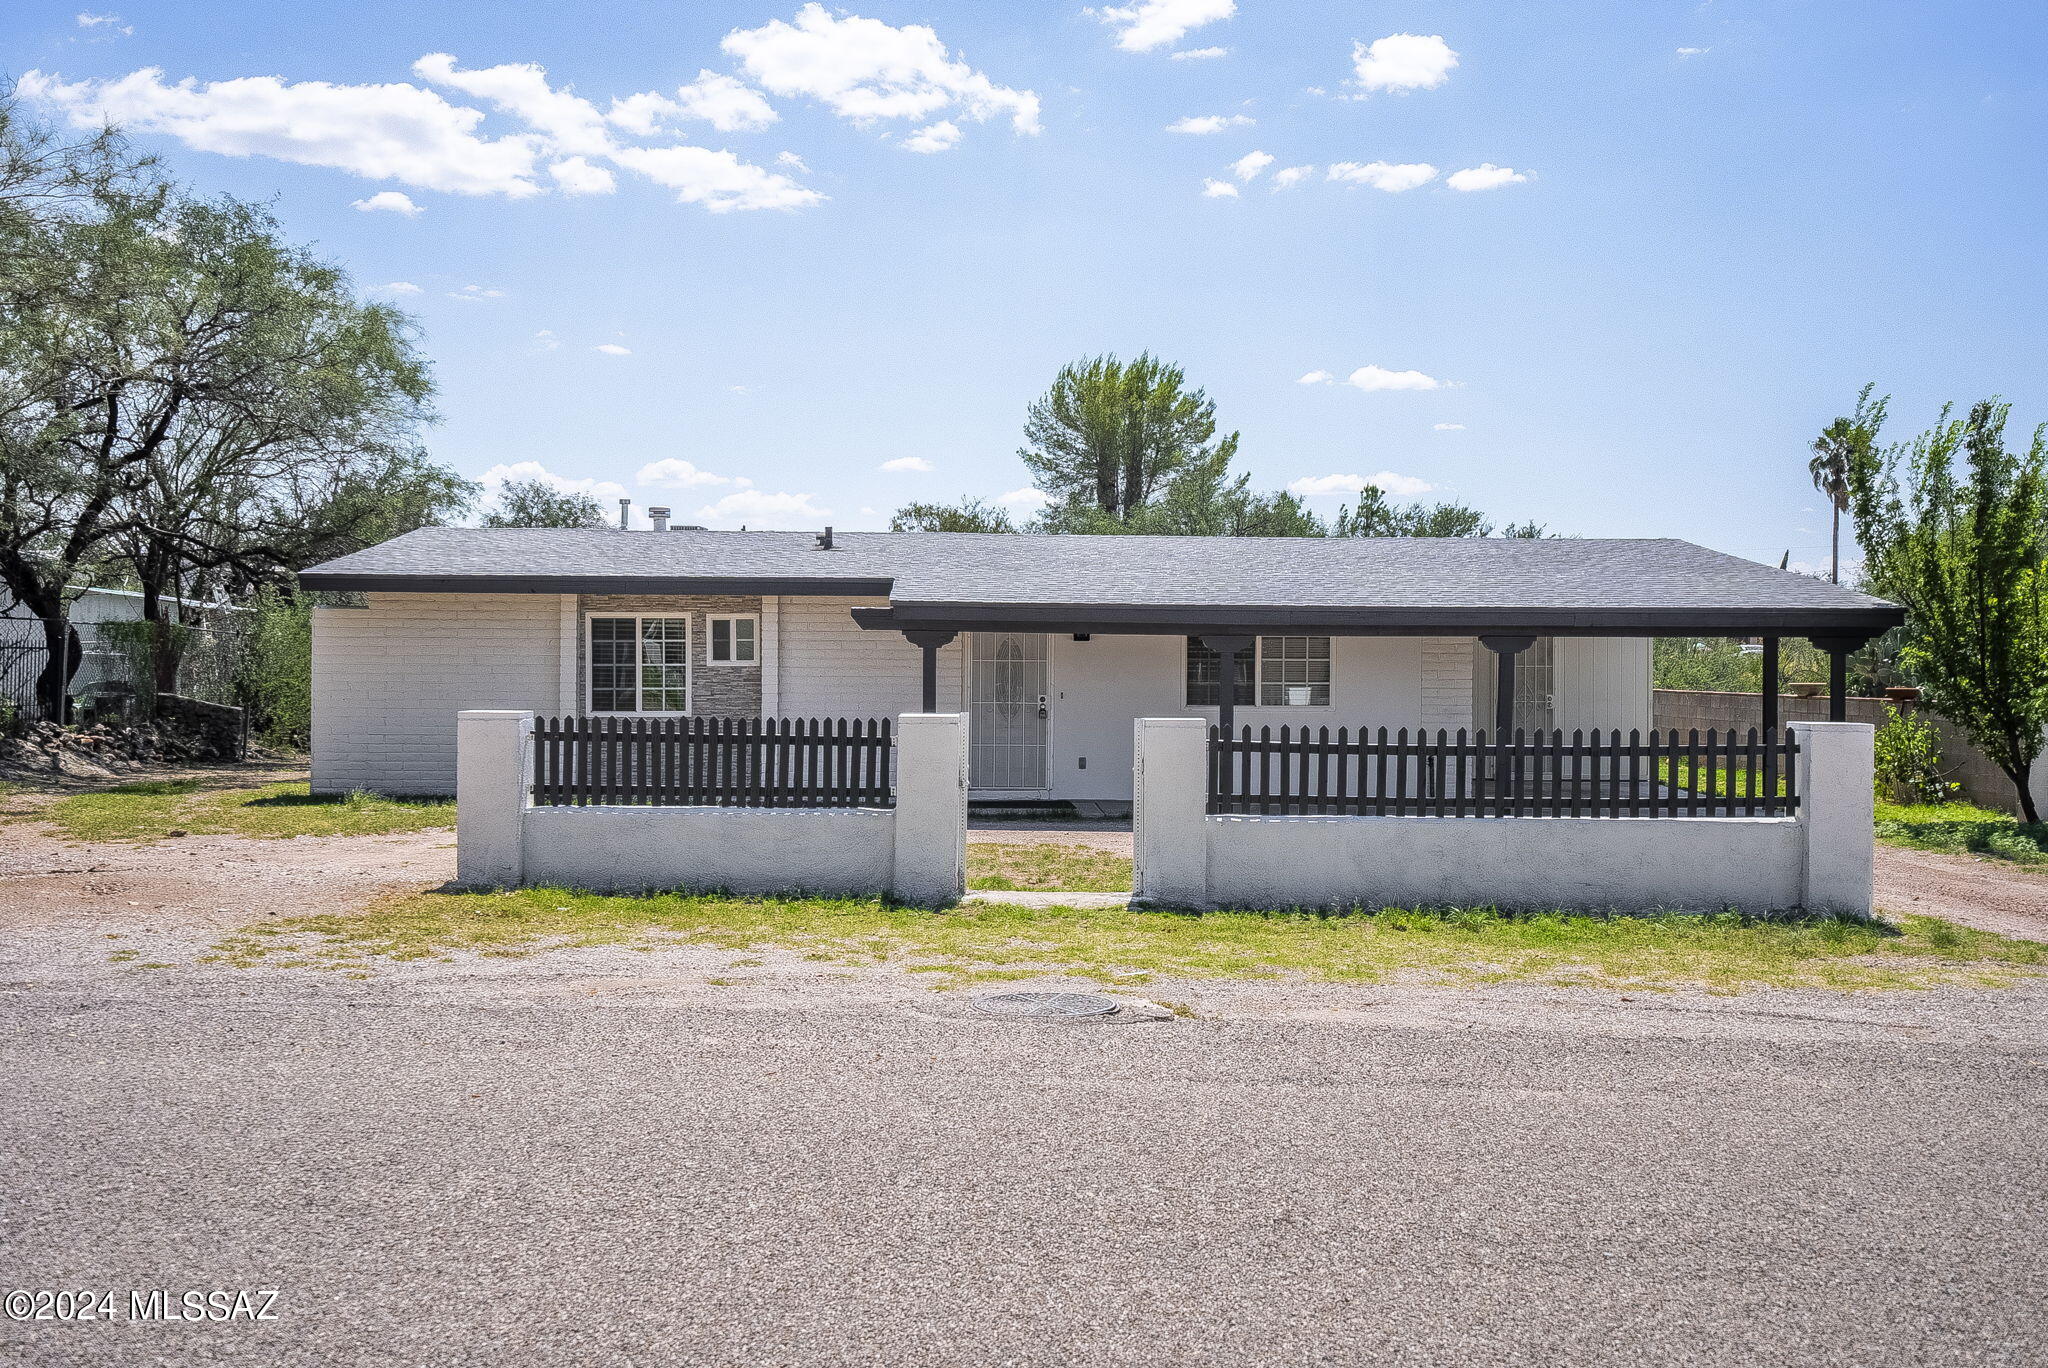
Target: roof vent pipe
{"x":625,"y":514}
{"x":659,"y":517}
{"x":825,"y":540}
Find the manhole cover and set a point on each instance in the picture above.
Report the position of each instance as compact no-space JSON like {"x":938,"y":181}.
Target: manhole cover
{"x":1045,"y":1006}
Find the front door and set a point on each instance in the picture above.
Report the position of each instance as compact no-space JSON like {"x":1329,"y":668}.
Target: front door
{"x":1006,"y":713}
{"x":1535,"y":687}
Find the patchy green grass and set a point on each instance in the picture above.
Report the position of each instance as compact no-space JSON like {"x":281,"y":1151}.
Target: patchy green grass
{"x":155,"y":809}
{"x":978,"y":941}
{"x":1961,"y":829}
{"x":1046,"y":866}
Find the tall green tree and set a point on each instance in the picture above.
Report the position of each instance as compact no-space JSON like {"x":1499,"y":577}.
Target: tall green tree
{"x":536,"y":503}
{"x":186,"y":392}
{"x":1841,"y":446}
{"x":1955,"y":527}
{"x":1111,"y":435}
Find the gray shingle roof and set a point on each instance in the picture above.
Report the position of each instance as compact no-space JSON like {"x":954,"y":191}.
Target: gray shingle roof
{"x":936,"y":575}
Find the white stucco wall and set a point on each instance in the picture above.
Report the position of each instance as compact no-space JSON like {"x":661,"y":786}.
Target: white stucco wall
{"x":915,"y":852}
{"x":845,"y":851}
{"x":1821,"y":859}
{"x":389,"y":678}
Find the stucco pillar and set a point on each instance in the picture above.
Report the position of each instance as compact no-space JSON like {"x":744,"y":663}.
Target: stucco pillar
{"x":1835,"y":814}
{"x":931,"y":809}
{"x":493,"y":757}
{"x":1170,"y":792}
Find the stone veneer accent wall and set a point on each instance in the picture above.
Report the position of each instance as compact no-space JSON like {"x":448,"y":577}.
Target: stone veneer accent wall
{"x":715,"y":690}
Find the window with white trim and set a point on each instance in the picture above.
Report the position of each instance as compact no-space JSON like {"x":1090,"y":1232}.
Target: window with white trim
{"x":1294,"y":672}
{"x":638,"y":664}
{"x":733,"y":640}
{"x":1290,"y":672}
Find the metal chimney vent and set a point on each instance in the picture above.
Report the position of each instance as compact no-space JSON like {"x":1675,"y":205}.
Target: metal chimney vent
{"x":659,"y":517}
{"x":825,"y":540}
{"x":625,"y":514}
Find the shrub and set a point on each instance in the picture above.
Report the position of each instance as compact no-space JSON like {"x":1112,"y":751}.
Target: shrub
{"x":1908,"y":760}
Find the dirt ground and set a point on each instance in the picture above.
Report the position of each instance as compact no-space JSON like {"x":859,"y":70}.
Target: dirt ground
{"x":180,"y":889}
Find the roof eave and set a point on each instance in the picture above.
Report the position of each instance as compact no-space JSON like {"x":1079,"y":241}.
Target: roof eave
{"x":343,"y":581}
{"x":1857,"y":621}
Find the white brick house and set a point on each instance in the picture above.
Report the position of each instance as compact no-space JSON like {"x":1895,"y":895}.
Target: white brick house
{"x":1050,"y":645}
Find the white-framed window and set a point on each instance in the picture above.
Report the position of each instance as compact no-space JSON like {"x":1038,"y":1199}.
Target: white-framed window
{"x":1290,"y":672}
{"x":1294,"y":672}
{"x":733,"y":639}
{"x":637,"y":663}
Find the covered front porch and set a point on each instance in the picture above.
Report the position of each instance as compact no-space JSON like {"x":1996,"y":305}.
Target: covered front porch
{"x":1051,"y":696}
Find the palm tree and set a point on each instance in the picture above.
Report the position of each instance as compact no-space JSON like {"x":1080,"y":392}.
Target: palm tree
{"x":1835,"y":453}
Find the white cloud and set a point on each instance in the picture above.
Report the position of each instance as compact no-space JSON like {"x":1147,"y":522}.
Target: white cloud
{"x":1392,"y":177}
{"x":1208,"y":123}
{"x":755,"y":507}
{"x":577,"y":176}
{"x":917,"y":463}
{"x":399,"y":287}
{"x":476,"y":293}
{"x":1688,"y":52}
{"x":726,"y":103}
{"x":1250,"y":164}
{"x":1337,"y":486}
{"x":521,"y":89}
{"x":1288,"y":177}
{"x":546,"y":341}
{"x":792,"y":161}
{"x":1316,"y":377}
{"x":672,"y":473}
{"x":383,"y":132}
{"x":864,"y":69}
{"x":1216,"y":189}
{"x":1486,"y":176}
{"x":502,"y":474}
{"x":404,"y":133}
{"x":1447,"y":427}
{"x":717,"y":180}
{"x":1199,"y":54}
{"x":1153,"y":24}
{"x":612,"y":349}
{"x":1380,"y":378}
{"x":1403,"y":61}
{"x":387,"y":202}
{"x":1023,"y":499}
{"x":109,"y":22}
{"x":934,"y":137}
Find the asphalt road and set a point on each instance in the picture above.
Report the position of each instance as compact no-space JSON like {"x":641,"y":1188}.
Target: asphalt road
{"x":565,"y":1173}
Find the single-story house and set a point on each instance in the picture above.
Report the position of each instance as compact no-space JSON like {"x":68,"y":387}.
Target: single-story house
{"x":1051,"y":645}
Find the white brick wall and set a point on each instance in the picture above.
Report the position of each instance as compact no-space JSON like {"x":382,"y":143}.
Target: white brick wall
{"x":388,"y":680}
{"x":829,"y":667}
{"x":1447,"y":682}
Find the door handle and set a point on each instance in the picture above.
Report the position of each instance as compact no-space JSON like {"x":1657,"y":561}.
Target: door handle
{"x":1041,"y":706}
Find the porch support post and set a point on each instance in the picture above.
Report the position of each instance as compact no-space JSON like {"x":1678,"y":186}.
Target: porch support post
{"x":1770,"y":683}
{"x":930,"y":642}
{"x":1228,"y":647}
{"x":1838,"y":649}
{"x":1505,"y":649}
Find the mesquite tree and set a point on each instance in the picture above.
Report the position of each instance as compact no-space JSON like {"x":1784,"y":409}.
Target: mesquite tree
{"x":1955,"y":527}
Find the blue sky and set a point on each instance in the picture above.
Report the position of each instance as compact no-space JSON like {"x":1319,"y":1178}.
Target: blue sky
{"x":1729,"y":216}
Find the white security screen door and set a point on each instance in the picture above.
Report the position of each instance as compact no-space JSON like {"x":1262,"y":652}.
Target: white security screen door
{"x":1006,"y":712}
{"x":1535,"y":696}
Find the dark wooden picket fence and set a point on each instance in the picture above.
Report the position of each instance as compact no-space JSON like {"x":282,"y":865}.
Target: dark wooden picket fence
{"x":1732,"y":773}
{"x":803,"y":762}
